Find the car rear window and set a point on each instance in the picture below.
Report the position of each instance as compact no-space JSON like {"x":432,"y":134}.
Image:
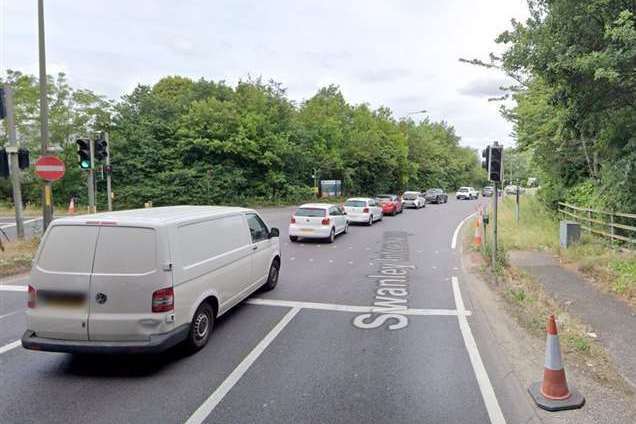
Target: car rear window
{"x":410,"y":196}
{"x":356,"y":203}
{"x":125,"y":250}
{"x":310,"y":212}
{"x":68,"y":248}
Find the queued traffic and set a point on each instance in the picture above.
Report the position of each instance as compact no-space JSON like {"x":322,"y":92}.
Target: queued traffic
{"x":326,"y":220}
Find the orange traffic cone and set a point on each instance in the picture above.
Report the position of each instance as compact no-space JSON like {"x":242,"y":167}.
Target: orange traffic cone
{"x":553,"y":394}
{"x":71,"y":206}
{"x":477,"y":237}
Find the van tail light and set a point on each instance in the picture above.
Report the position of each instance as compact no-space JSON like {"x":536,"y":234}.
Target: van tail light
{"x":163,"y":300}
{"x":325,"y":221}
{"x":31,"y":297}
{"x":365,"y":210}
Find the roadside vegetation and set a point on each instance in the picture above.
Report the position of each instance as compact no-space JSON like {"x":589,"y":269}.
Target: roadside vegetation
{"x":17,"y":256}
{"x":526,"y":301}
{"x":611,"y":269}
{"x":184,"y":141}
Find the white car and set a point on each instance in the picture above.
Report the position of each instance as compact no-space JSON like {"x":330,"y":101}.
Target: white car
{"x":363,"y":210}
{"x":318,"y":220}
{"x":145,"y":280}
{"x":413,"y":199}
{"x":467,"y":193}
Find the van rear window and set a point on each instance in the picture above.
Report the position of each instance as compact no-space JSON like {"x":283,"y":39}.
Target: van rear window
{"x":125,"y":250}
{"x":68,"y":248}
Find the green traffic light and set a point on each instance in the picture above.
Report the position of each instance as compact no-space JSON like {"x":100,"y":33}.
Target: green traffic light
{"x":85,"y":164}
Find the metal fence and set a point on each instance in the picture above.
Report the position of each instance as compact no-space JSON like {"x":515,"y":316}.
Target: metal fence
{"x":618,"y":227}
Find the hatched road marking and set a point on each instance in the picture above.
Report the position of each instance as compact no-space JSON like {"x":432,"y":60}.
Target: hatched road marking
{"x":13,"y":288}
{"x":10,"y":346}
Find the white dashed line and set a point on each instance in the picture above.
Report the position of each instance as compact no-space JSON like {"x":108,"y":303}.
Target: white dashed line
{"x":10,"y":346}
{"x":330,"y":261}
{"x":350,"y":262}
{"x":217,"y":396}
{"x":487,"y":392}
{"x":292,"y":258}
{"x":13,"y":288}
{"x":10,"y":314}
{"x":311,"y":259}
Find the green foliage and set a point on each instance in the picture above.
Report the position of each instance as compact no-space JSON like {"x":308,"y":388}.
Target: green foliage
{"x":203,"y":142}
{"x":575,"y":107}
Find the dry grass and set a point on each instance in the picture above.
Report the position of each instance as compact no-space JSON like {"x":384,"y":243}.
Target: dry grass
{"x":613,"y":270}
{"x":530,"y":306}
{"x":17,"y":256}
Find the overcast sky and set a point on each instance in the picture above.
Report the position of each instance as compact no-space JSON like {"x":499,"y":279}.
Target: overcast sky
{"x":400,"y":54}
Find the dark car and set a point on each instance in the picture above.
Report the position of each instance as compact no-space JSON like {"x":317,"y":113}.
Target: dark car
{"x":391,"y":203}
{"x":488,"y":191}
{"x":436,"y":195}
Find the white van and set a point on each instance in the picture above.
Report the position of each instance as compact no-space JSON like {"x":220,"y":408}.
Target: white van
{"x":145,"y":280}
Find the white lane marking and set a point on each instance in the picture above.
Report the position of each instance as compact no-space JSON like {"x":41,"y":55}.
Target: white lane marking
{"x":350,"y":308}
{"x":28,"y":221}
{"x":330,"y":261}
{"x":311,"y":259}
{"x":487,"y":392}
{"x":10,"y":314}
{"x":292,"y":258}
{"x":13,"y":288}
{"x":217,"y":396}
{"x":350,"y":262}
{"x":10,"y":346}
{"x":459,"y":226}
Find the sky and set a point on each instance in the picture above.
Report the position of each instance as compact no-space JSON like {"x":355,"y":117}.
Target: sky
{"x":402,"y":54}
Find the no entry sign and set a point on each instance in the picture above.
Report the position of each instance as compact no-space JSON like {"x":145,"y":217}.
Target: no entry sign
{"x":49,"y":168}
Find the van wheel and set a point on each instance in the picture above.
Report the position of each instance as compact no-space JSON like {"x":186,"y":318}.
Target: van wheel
{"x":293,"y":238}
{"x":200,"y":327}
{"x":272,"y":277}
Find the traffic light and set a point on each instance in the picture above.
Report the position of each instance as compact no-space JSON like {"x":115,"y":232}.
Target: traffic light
{"x":84,"y":152}
{"x":23,"y":158}
{"x":486,"y":155}
{"x":4,"y":164}
{"x":3,"y":109}
{"x":100,"y":149}
{"x":495,"y":171}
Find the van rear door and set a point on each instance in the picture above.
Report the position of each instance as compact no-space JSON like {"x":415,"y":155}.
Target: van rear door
{"x":125,"y":275}
{"x":61,"y":278}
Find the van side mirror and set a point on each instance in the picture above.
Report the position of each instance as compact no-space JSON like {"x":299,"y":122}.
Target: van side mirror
{"x":274,"y":232}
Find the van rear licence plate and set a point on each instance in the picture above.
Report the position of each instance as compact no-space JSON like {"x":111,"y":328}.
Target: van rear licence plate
{"x":60,"y":299}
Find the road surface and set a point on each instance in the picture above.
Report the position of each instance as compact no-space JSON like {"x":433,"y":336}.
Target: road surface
{"x":329,"y":345}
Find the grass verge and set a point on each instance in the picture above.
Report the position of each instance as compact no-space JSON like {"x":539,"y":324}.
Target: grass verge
{"x":526,"y":301}
{"x":612,"y":270}
{"x":17,"y":256}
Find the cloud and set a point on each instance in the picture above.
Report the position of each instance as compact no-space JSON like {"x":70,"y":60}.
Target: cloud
{"x":483,"y":88}
{"x":382,"y":75}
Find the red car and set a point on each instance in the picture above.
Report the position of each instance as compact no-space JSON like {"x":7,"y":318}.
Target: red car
{"x":391,"y":203}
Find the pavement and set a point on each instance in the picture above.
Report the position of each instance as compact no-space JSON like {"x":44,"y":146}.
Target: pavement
{"x":315,"y":349}
{"x":613,"y":320}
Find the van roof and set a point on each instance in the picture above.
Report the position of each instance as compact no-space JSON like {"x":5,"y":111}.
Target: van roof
{"x":154,"y":216}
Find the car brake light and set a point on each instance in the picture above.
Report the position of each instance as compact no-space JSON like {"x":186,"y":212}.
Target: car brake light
{"x":365,"y":210}
{"x":31,"y":297}
{"x":293,"y":220}
{"x":163,"y":300}
{"x":325,"y":221}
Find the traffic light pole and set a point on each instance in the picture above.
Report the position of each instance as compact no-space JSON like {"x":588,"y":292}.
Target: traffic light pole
{"x":47,"y":202}
{"x":109,"y":192}
{"x":494,"y":227}
{"x":13,"y":160}
{"x":91,"y":179}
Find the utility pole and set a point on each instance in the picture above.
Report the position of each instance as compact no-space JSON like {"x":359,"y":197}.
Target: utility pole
{"x":91,"y":178}
{"x":517,"y":204}
{"x":13,"y":160}
{"x":109,"y":192}
{"x":47,"y":202}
